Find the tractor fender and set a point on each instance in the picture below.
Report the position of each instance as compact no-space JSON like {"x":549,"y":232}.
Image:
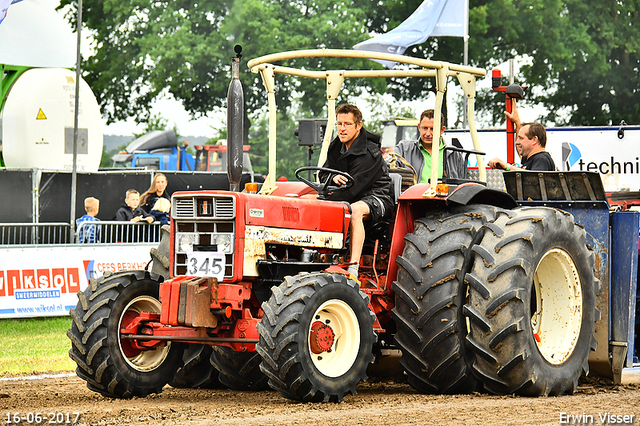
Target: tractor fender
{"x":473,"y":193}
{"x":467,"y":193}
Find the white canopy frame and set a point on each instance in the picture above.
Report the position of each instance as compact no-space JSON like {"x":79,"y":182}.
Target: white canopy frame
{"x":426,"y":68}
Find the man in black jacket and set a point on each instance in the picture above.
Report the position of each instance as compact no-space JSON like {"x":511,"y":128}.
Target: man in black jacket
{"x":357,"y":152}
{"x":531,"y":142}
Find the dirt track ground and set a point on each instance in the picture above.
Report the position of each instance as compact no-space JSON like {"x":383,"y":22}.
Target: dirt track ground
{"x":376,"y":403}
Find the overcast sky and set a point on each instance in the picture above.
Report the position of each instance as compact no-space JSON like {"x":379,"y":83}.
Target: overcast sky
{"x":173,"y":111}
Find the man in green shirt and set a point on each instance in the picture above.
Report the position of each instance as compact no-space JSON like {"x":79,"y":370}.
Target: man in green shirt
{"x":426,"y":153}
{"x":418,"y":153}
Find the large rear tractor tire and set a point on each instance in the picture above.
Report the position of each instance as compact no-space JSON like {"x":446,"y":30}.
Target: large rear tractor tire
{"x":532,"y":303}
{"x":239,"y":370}
{"x":160,"y":255}
{"x":430,"y":293}
{"x":196,"y":370}
{"x":110,"y":365}
{"x":316,"y":337}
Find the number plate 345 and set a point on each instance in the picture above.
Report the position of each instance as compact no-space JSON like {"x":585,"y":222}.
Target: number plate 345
{"x":206,"y":264}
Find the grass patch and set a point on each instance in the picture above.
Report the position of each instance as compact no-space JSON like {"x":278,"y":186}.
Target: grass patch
{"x":34,"y":345}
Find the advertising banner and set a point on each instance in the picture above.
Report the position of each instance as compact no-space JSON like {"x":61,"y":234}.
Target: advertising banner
{"x":611,"y":151}
{"x":43,"y":281}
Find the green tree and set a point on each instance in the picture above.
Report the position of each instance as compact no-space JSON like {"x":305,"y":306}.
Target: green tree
{"x":105,"y":160}
{"x":143,"y":48}
{"x":600,"y":82}
{"x":382,"y":110}
{"x":290,"y":155}
{"x":584,"y":53}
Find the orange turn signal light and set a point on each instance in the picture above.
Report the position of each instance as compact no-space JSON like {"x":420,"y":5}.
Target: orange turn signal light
{"x":442,"y":190}
{"x":251,"y":187}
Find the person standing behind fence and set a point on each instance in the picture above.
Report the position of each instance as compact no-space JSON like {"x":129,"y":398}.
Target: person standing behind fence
{"x":156,"y":190}
{"x":160,"y":213}
{"x":130,"y":211}
{"x":89,"y":233}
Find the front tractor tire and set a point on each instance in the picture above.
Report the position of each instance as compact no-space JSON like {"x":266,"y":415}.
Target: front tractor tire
{"x":532,"y":303}
{"x":110,"y":365}
{"x":430,"y":294}
{"x":316,"y":337}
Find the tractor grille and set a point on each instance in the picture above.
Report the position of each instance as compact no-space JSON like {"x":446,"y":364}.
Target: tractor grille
{"x":225,"y":208}
{"x":184,"y":208}
{"x":214,"y":207}
{"x":203,"y":223}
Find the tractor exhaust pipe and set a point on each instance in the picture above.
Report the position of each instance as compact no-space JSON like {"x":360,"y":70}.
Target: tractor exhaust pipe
{"x":235,"y":124}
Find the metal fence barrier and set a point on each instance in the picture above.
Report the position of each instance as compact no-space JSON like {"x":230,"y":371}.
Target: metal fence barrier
{"x":98,"y":232}
{"x":110,"y":232}
{"x":34,"y":233}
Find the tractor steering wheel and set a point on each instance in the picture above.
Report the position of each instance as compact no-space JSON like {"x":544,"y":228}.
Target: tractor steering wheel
{"x":327,"y":186}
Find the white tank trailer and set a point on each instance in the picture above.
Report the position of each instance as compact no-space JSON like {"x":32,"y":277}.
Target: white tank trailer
{"x":37,"y":93}
{"x":37,"y":122}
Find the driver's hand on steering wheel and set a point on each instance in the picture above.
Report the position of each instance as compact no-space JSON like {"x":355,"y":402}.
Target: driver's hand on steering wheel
{"x":340,"y":180}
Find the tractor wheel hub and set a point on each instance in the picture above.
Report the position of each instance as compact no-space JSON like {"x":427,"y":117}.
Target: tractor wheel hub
{"x":321,"y":337}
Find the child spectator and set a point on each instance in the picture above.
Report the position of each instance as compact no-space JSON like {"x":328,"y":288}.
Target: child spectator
{"x":160,"y":211}
{"x":130,"y":210}
{"x":89,"y":233}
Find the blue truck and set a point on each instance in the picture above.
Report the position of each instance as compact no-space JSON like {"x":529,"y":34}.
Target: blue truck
{"x":158,"y":150}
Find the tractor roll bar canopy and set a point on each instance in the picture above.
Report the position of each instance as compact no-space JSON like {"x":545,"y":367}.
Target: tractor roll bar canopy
{"x":424,"y":68}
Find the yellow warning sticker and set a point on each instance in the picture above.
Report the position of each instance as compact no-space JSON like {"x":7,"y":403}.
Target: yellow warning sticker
{"x":41,"y":115}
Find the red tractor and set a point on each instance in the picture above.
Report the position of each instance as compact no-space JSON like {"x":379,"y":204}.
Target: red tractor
{"x":476,"y":291}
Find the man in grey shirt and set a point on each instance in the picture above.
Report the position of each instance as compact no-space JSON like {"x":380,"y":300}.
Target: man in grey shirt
{"x":419,"y":153}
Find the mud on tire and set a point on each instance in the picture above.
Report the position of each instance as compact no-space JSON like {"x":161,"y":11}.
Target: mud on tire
{"x":532,"y":303}
{"x":160,"y":255}
{"x":110,"y":365}
{"x":316,"y":337}
{"x":430,"y":293}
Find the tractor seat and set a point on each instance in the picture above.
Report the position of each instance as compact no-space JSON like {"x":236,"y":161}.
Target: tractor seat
{"x":401,"y":167}
{"x":396,"y":179}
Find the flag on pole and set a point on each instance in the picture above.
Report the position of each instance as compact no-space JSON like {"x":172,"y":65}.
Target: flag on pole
{"x":4,"y":6}
{"x":431,"y":19}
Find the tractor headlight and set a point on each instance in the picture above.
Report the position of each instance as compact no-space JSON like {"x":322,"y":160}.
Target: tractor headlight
{"x":223,"y":241}
{"x":186,"y":241}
